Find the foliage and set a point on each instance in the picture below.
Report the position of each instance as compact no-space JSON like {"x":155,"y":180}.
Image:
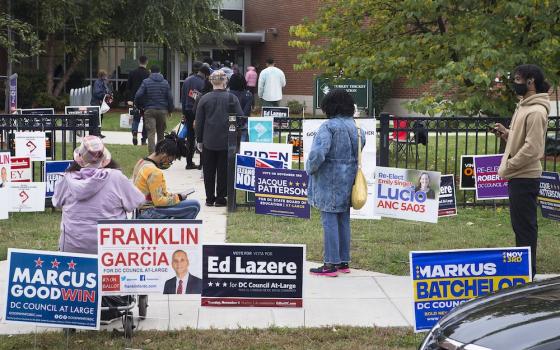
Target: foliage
{"x":295,"y":106}
{"x":42,"y":99}
{"x":381,"y":95}
{"x":456,"y":48}
{"x":30,"y":84}
{"x":24,"y":41}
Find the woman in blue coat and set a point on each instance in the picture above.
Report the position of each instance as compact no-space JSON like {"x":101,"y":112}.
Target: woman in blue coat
{"x":332,"y":165}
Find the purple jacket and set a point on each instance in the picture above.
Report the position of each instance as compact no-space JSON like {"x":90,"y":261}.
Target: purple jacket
{"x":87,"y":196}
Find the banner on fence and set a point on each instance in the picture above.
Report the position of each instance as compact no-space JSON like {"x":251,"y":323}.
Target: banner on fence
{"x":27,"y":196}
{"x":12,"y":81}
{"x":245,"y":170}
{"x":31,"y":144}
{"x":466,"y":179}
{"x":310,"y":127}
{"x":447,"y":198}
{"x":54,"y":171}
{"x":489,"y":185}
{"x":281,"y":192}
{"x":52,"y":289}
{"x":276,"y":112}
{"x":549,"y":195}
{"x":272,"y":151}
{"x":150,"y":256}
{"x":443,"y":279}
{"x":261,"y":129}
{"x":407,"y":194}
{"x":253,"y":275}
{"x":83,"y":110}
{"x":20,"y":169}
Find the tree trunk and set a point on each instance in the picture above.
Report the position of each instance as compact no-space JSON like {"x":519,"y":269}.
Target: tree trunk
{"x":75,"y":62}
{"x":50,"y":63}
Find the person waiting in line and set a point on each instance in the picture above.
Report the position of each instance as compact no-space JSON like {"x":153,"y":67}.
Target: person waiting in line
{"x":521,"y":164}
{"x":100,"y":92}
{"x":148,"y":177}
{"x":93,"y":188}
{"x":424,"y":186}
{"x":332,"y":166}
{"x":238,"y":87}
{"x":135,"y":79}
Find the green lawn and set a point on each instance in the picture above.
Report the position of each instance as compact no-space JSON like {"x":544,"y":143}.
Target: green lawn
{"x":273,"y":338}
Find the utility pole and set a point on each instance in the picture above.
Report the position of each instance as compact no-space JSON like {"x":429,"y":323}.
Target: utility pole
{"x":9,"y":58}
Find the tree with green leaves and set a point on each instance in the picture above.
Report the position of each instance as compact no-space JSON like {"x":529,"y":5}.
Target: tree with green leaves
{"x":461,"y":50}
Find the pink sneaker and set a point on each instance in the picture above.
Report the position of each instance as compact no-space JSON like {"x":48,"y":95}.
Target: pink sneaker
{"x":342,"y":268}
{"x":325,"y":270}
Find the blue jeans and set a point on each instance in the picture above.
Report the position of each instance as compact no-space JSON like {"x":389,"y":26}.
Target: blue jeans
{"x":186,"y":209}
{"x":336,"y":235}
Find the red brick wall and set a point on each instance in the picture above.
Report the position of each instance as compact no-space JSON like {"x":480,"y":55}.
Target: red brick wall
{"x":263,"y":14}
{"x":400,"y":90}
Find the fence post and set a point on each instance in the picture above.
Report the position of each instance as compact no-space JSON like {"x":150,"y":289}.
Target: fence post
{"x":232,"y":151}
{"x":384,"y":139}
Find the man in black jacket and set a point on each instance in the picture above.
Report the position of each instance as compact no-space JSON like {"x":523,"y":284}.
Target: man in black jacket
{"x":135,"y":79}
{"x":154,"y":95}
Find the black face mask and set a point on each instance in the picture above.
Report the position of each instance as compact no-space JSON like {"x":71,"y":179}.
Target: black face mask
{"x":519,"y":89}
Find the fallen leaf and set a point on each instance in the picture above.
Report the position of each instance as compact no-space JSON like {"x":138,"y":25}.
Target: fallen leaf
{"x":147,"y":341}
{"x":470,"y":223}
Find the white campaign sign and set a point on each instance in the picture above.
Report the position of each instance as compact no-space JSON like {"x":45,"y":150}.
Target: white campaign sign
{"x":310,"y":127}
{"x":27,"y":196}
{"x":272,"y":151}
{"x":31,"y":144}
{"x":4,"y":204}
{"x":5,"y":169}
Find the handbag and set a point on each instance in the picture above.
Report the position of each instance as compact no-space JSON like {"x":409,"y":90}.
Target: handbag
{"x":359,"y":189}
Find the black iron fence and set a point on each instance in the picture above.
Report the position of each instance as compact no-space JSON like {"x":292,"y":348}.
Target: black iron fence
{"x":61,"y":131}
{"x":422,"y":143}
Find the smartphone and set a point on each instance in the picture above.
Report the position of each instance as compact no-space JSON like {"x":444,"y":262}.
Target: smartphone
{"x":189,"y":191}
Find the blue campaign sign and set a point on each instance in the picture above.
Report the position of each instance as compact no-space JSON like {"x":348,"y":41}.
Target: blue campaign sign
{"x":245,"y":170}
{"x":281,"y":192}
{"x":52,"y":289}
{"x":54,"y":170}
{"x":444,"y":279}
{"x":549,"y":195}
{"x":261,"y":129}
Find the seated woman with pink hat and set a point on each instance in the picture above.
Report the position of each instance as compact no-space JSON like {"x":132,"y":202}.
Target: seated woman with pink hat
{"x":93,"y":188}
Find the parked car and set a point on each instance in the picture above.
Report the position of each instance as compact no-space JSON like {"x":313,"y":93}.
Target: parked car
{"x":520,"y":318}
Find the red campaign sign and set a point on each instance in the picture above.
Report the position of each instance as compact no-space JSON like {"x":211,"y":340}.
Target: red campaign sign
{"x":20,"y":169}
{"x":256,"y":302}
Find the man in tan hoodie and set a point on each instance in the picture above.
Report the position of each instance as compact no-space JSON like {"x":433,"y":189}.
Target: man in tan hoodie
{"x":521,"y":163}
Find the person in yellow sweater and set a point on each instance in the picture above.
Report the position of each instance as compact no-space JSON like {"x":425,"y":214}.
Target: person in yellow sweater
{"x":148,"y":177}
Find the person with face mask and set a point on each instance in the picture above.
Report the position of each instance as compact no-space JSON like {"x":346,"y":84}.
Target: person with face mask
{"x":148,"y":177}
{"x":525,"y":141}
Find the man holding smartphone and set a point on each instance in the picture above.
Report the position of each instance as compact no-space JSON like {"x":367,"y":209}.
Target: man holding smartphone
{"x":525,"y":140}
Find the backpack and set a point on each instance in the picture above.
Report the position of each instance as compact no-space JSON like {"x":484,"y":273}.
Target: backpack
{"x":420,"y":132}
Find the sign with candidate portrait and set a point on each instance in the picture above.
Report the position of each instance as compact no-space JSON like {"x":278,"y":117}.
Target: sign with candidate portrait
{"x":444,"y":279}
{"x":407,"y":194}
{"x":52,"y":289}
{"x":54,"y":171}
{"x":549,"y":195}
{"x":466,"y":179}
{"x":27,"y":196}
{"x":268,"y":275}
{"x":5,"y":169}
{"x":20,"y":169}
{"x":245,"y":170}
{"x":310,"y":128}
{"x":281,"y":192}
{"x":260,"y":129}
{"x":31,"y":144}
{"x":150,"y":256}
{"x":272,"y":151}
{"x":447,"y":198}
{"x":489,"y":185}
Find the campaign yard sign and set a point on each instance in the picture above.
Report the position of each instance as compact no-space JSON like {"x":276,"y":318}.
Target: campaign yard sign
{"x":272,"y":151}
{"x":549,"y":195}
{"x":31,"y":144}
{"x":52,"y":289}
{"x":5,"y":169}
{"x":150,"y":256}
{"x":489,"y":185}
{"x":407,"y":194}
{"x":268,"y":275}
{"x":281,"y":192}
{"x":275,"y":112}
{"x":20,"y":169}
{"x":466,"y":180}
{"x":447,"y":201}
{"x":54,"y":171}
{"x":260,"y":129}
{"x":27,"y":196}
{"x":245,"y":170}
{"x":444,"y":279}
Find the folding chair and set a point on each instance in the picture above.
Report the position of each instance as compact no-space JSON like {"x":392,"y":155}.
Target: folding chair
{"x":400,"y":137}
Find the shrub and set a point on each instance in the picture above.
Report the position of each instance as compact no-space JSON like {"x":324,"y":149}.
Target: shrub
{"x":44,"y":100}
{"x":295,"y":107}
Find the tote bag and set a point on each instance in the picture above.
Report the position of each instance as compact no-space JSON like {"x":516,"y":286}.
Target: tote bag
{"x":359,"y":189}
